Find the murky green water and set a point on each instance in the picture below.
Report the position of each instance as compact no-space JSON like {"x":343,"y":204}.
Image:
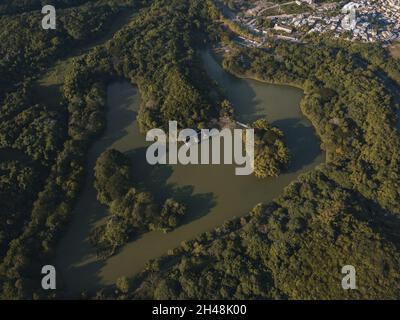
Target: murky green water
{"x":212,"y":192}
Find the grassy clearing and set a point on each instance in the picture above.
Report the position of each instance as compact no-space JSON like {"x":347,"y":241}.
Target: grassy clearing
{"x":48,"y":88}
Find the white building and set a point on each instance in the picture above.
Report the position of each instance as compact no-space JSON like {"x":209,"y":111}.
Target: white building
{"x":282,"y":28}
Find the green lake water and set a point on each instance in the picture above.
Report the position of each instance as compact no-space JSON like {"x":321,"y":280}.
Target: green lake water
{"x":213,"y":193}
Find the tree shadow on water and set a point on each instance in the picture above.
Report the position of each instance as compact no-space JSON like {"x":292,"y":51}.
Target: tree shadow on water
{"x":120,"y":115}
{"x":154,"y":178}
{"x":82,"y":278}
{"x":238,"y":91}
{"x":198,"y":205}
{"x":302,"y":142}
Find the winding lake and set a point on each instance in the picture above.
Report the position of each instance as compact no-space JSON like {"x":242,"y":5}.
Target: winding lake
{"x":212,"y":193}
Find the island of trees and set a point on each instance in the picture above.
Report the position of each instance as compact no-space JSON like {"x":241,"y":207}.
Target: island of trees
{"x":271,"y":156}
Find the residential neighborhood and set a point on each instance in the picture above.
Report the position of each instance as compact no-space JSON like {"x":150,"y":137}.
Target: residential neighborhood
{"x":358,"y":20}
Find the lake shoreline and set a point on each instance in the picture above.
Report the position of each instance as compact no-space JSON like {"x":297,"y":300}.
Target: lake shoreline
{"x":213,"y":193}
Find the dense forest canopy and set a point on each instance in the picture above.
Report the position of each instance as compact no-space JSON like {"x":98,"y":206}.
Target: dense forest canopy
{"x":344,"y":212}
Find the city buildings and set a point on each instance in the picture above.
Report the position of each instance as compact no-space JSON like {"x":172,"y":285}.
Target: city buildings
{"x":357,"y":20}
